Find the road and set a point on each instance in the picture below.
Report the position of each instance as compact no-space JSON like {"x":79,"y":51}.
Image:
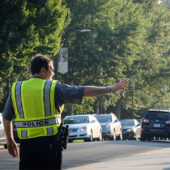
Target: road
{"x":85,"y":153}
{"x":79,"y":154}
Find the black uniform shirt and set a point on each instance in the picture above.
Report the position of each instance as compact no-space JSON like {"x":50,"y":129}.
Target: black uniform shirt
{"x":63,"y":94}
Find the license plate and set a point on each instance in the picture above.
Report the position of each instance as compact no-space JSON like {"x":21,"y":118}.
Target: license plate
{"x":156,"y":125}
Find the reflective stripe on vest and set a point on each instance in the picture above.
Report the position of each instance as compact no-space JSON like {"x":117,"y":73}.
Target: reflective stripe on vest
{"x":47,"y":103}
{"x":36,"y":123}
{"x":24,"y":134}
{"x":18,"y":99}
{"x":50,"y":131}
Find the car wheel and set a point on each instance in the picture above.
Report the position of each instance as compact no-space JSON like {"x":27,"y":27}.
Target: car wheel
{"x":70,"y":140}
{"x":149,"y":138}
{"x":120,"y":137}
{"x":114,"y":136}
{"x":91,"y":137}
{"x":5,"y":146}
{"x":142,"y":138}
{"x":156,"y":138}
{"x":136,"y":137}
{"x":100,"y":137}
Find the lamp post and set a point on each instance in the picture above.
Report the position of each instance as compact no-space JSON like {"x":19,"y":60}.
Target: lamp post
{"x":63,"y":65}
{"x":63,"y":58}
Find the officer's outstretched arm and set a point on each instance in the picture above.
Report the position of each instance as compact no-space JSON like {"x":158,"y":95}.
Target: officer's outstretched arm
{"x":91,"y":91}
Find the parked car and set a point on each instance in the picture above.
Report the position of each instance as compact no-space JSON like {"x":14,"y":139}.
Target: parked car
{"x":111,"y":126}
{"x":84,"y":127}
{"x":131,"y":129}
{"x":2,"y":133}
{"x":156,"y":123}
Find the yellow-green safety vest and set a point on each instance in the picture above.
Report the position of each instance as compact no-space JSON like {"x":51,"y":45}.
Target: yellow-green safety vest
{"x":34,"y":107}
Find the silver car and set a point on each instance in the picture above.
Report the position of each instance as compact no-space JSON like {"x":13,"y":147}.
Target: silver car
{"x":2,"y":133}
{"x":84,"y":127}
{"x":111,"y":126}
{"x":131,"y":129}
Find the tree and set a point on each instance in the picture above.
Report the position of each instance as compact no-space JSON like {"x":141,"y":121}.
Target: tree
{"x":27,"y":28}
{"x":127,"y":39}
{"x":102,"y":56}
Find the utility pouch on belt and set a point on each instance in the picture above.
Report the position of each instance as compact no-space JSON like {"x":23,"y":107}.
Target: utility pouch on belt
{"x":63,"y":135}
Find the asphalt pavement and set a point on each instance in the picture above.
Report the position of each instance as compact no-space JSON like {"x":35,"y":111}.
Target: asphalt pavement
{"x":151,"y":160}
{"x":158,"y":159}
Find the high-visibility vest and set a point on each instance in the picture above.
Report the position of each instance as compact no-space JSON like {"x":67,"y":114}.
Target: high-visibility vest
{"x":34,"y":107}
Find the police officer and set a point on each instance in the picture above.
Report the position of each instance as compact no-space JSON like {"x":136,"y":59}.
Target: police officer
{"x":35,"y":105}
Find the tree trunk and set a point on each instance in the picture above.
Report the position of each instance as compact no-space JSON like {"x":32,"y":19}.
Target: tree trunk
{"x":100,"y":105}
{"x":97,"y":109}
{"x":119,"y":108}
{"x":70,"y":109}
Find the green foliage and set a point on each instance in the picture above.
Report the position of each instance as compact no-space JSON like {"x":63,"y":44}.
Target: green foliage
{"x":127,"y":39}
{"x":27,"y":28}
{"x":85,"y":107}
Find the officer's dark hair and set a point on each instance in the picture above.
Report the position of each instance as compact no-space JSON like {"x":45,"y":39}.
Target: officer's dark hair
{"x":39,"y":61}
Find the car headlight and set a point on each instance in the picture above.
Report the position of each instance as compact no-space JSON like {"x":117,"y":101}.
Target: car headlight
{"x":82,"y":129}
{"x":131,"y":130}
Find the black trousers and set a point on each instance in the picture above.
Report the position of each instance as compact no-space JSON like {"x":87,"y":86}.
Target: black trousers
{"x":40,"y":153}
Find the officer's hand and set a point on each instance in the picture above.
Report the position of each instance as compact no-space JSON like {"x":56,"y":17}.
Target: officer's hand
{"x":12,"y":148}
{"x":119,"y":85}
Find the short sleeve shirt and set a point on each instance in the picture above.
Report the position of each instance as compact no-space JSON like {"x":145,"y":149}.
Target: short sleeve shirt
{"x":63,"y":94}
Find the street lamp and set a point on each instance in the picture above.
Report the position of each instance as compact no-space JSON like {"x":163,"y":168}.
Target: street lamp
{"x":63,"y":64}
{"x":63,"y":59}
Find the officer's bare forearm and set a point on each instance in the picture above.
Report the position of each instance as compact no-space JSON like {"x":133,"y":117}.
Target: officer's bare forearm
{"x":12,"y":147}
{"x":8,"y":129}
{"x":90,"y":91}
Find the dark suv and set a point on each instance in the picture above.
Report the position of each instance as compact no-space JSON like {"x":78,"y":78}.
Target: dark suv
{"x":156,"y":123}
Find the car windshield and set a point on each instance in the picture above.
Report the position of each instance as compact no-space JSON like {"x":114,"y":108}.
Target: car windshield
{"x":104,"y":118}
{"x":76,"y":119}
{"x":158,"y":115}
{"x":127,"y":122}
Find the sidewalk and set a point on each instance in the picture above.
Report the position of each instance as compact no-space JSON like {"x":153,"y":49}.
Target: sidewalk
{"x":151,"y":160}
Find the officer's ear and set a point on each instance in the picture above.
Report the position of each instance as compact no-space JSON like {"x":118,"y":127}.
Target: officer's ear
{"x":43,"y":71}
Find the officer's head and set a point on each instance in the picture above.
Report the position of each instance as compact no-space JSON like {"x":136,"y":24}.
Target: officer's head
{"x":42,"y":66}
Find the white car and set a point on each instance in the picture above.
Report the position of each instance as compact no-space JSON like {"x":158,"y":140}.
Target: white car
{"x":111,"y":126}
{"x":84,"y":127}
{"x":2,"y":133}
